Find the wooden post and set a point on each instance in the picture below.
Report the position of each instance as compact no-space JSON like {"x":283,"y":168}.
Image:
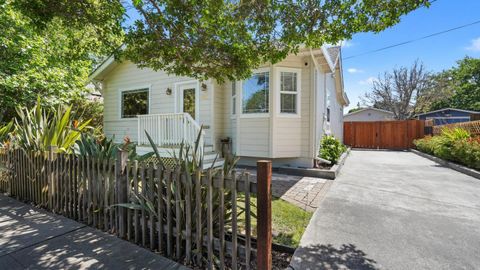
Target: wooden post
{"x":121,"y":183}
{"x":264,"y":215}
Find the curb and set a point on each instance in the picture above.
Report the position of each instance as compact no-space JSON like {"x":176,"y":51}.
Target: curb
{"x":331,"y":173}
{"x":448,"y":164}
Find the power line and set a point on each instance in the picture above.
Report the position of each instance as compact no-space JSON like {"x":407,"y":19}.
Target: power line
{"x":412,"y":40}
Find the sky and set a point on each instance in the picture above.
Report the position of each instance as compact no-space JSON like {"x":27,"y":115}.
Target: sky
{"x":437,"y":53}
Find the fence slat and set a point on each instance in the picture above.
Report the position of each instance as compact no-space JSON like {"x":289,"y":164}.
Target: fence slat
{"x":169,"y":213}
{"x":178,"y":213}
{"x":136,"y":222}
{"x":221,"y":218}
{"x":160,"y":209}
{"x":151,"y":197}
{"x":248,"y":222}
{"x":198,"y":206}
{"x":234,"y":221}
{"x":210,"y":219}
{"x":144,"y":217}
{"x":187,"y":180}
{"x":106,"y":205}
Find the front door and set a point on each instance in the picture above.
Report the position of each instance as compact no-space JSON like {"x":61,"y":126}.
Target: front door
{"x":188,"y":99}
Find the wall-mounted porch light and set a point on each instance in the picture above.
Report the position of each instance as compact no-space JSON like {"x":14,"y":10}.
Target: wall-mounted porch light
{"x":204,"y":87}
{"x":168,"y":91}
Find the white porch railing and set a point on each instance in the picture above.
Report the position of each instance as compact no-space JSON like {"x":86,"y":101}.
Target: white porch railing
{"x":169,"y":130}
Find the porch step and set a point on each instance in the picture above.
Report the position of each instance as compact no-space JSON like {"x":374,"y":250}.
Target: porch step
{"x":209,"y":158}
{"x":208,"y":148}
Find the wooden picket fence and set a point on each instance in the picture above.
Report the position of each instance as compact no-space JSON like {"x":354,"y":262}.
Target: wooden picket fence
{"x":473,"y":127}
{"x":191,"y":218}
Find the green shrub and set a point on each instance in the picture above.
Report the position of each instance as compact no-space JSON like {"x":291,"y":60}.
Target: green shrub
{"x":467,"y":151}
{"x":454,"y":145}
{"x":331,"y":149}
{"x":446,"y":141}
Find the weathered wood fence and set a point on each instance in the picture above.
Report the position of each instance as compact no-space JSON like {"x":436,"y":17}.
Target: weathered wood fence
{"x":473,"y":127}
{"x":191,"y":218}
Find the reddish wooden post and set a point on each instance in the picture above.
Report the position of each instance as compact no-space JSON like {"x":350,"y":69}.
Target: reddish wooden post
{"x":264,"y":215}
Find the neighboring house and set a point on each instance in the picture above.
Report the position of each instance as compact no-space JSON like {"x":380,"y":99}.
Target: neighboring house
{"x":280,"y":113}
{"x":368,"y":115}
{"x":449,"y":116}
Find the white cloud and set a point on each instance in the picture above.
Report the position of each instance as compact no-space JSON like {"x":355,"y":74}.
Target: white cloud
{"x":368,"y":81}
{"x":475,"y":45}
{"x":354,"y":70}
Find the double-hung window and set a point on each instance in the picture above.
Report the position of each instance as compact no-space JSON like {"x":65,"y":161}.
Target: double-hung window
{"x":255,"y":94}
{"x":134,"y":102}
{"x":289,"y":92}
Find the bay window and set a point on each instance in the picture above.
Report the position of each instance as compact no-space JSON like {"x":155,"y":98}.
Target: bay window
{"x":255,"y":93}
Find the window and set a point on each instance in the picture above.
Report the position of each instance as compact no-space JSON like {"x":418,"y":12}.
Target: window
{"x":134,"y":102}
{"x":255,"y":93}
{"x":234,"y":98}
{"x":328,"y":105}
{"x":289,"y":92}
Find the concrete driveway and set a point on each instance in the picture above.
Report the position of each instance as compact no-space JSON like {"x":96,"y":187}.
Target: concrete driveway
{"x":394,"y":210}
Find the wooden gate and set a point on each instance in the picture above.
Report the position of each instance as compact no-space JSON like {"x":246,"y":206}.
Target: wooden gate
{"x":396,"y":135}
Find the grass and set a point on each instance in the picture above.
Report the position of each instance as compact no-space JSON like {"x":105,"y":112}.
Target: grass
{"x":288,"y":221}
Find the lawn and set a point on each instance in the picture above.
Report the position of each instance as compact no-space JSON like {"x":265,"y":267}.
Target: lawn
{"x":289,"y":221}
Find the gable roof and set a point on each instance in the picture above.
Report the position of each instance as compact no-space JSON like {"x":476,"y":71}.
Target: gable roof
{"x":451,"y":109}
{"x":369,"y":108}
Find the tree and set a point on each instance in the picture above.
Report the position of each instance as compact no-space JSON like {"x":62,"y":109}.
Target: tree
{"x":358,"y":108}
{"x":50,"y":59}
{"x":458,"y":87}
{"x":225,"y":39}
{"x":399,"y":90}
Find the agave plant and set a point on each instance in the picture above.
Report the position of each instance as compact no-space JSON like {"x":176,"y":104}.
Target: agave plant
{"x":38,"y":129}
{"x":102,"y":148}
{"x":5,"y":132}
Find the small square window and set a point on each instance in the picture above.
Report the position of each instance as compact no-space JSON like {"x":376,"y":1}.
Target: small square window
{"x":134,"y":102}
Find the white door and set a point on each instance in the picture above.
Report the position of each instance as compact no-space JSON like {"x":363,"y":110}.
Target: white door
{"x":188,"y":99}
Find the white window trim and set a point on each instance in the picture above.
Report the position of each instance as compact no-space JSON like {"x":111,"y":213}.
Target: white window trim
{"x":234,"y":104}
{"x":240,"y":96}
{"x":122,"y":90}
{"x":278,"y":78}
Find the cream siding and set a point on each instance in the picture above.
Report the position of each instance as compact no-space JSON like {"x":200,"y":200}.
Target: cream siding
{"x":289,"y":140}
{"x":127,"y":76}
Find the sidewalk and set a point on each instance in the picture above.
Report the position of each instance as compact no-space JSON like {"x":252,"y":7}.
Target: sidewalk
{"x":34,"y":239}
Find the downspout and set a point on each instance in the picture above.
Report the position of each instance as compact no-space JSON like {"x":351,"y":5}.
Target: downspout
{"x":315,"y":108}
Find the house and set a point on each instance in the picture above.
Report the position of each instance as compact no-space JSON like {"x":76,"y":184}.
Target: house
{"x":449,"y":116}
{"x":279,"y":113}
{"x":368,"y":115}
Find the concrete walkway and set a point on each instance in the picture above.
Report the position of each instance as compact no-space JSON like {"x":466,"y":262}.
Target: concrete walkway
{"x":34,"y":239}
{"x":394,"y":210}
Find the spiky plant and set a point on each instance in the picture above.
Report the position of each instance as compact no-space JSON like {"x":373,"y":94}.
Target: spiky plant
{"x":188,"y":165}
{"x":5,"y":133}
{"x":38,"y":129}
